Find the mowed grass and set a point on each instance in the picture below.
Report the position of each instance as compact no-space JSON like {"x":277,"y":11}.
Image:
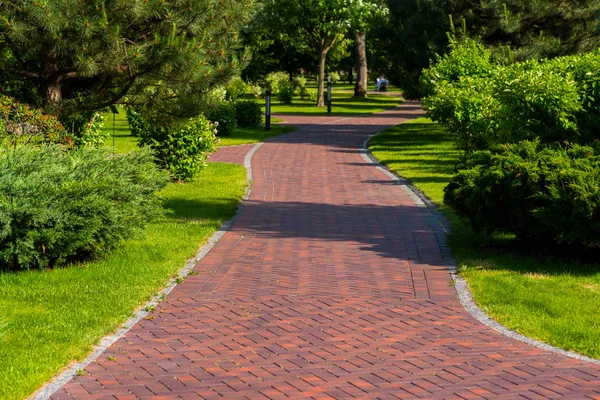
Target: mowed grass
{"x":553,"y":300}
{"x":50,"y":318}
{"x":343,"y":103}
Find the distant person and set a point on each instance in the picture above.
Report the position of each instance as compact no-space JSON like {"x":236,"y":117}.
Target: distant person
{"x":381,"y":84}
{"x":377,"y":84}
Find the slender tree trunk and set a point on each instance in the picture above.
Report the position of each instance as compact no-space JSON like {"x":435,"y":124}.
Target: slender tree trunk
{"x":320,"y":92}
{"x":360,"y":87}
{"x":51,"y":85}
{"x":350,"y":75}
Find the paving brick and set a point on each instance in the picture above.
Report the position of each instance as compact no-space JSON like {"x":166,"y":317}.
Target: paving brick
{"x":330,"y":284}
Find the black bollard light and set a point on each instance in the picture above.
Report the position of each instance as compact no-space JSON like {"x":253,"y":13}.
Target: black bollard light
{"x":268,"y":111}
{"x":329,"y":94}
{"x":114,"y":111}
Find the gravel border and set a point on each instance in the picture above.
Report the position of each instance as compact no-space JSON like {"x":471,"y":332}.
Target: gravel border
{"x":441,"y":228}
{"x":55,"y":384}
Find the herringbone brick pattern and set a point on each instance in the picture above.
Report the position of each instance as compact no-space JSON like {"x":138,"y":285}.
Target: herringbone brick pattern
{"x":330,"y":284}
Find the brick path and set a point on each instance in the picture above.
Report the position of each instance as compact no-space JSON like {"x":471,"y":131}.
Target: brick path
{"x":330,"y":284}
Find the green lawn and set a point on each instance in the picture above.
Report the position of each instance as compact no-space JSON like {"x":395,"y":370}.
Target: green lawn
{"x":555,"y":301}
{"x":254,"y":135}
{"x":343,"y":103}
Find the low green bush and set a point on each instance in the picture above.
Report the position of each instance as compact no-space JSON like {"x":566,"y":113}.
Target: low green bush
{"x":541,"y":194}
{"x":222,"y":114}
{"x":286,"y":93}
{"x":300,"y":86}
{"x":236,"y":88}
{"x":59,"y":206}
{"x":136,"y":122}
{"x":276,"y":80}
{"x":248,"y":113}
{"x":468,"y":109}
{"x":334,"y":76}
{"x":180,"y":147}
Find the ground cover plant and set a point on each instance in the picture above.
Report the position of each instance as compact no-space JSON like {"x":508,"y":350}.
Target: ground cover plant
{"x":50,"y":317}
{"x":548,"y":297}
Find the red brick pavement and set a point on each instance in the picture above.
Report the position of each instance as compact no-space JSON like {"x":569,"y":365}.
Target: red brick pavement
{"x":330,"y":284}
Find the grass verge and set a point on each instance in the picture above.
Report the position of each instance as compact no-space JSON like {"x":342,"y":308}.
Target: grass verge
{"x":343,"y":103}
{"x":549,"y":299}
{"x":49,"y":318}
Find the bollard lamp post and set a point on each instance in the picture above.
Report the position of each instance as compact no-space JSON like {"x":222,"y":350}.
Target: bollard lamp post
{"x":329,"y":94}
{"x":268,"y":110}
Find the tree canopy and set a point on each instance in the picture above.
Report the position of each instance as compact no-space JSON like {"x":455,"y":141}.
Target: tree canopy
{"x":78,"y":55}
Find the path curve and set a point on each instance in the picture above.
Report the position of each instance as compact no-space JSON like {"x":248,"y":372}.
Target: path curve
{"x":330,"y":284}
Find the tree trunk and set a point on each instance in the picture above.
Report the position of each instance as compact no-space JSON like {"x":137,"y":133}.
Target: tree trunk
{"x":360,"y":88}
{"x":350,"y":75}
{"x":320,"y":92}
{"x":51,"y":85}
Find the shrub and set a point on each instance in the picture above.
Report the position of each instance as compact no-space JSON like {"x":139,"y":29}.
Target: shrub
{"x":468,"y":109}
{"x":223,"y":114}
{"x":286,"y":92}
{"x":248,"y":113}
{"x":181,"y":147}
{"x":466,"y":58}
{"x":312,"y":95}
{"x":275,"y":80}
{"x":92,"y":133}
{"x":256,"y":90}
{"x":335,"y":77}
{"x":136,"y":122}
{"x":22,"y":125}
{"x":236,"y":88}
{"x":541,"y":194}
{"x":536,"y":102}
{"x":61,"y":206}
{"x":300,"y":86}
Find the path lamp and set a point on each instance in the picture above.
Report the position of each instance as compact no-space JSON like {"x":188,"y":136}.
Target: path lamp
{"x":114,"y":111}
{"x":329,"y":94}
{"x":268,"y":111}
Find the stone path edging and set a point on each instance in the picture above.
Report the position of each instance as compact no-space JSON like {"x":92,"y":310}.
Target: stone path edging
{"x":441,"y":228}
{"x":55,"y":384}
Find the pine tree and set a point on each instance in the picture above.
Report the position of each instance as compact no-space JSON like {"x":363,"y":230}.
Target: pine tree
{"x":69,"y":56}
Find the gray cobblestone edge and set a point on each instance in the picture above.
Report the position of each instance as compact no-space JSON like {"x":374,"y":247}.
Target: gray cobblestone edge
{"x":55,"y":384}
{"x":441,"y":228}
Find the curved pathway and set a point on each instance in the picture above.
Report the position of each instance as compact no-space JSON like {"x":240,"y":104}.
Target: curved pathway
{"x":330,"y":284}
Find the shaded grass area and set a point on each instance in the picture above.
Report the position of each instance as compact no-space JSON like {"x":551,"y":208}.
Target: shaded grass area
{"x":253,"y":135}
{"x":343,"y":103}
{"x":49,"y":318}
{"x":545,"y":297}
{"x":124,"y":142}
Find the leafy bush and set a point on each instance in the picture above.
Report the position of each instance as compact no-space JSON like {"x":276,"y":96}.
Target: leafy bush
{"x":22,"y":125}
{"x":248,"y":113}
{"x":223,"y":114}
{"x":541,"y":194}
{"x":236,"y":88}
{"x":536,"y":102}
{"x":276,"y":80}
{"x":180,"y":147}
{"x":256,"y":90}
{"x":92,"y":133}
{"x":286,"y":93}
{"x":136,"y":122}
{"x":468,"y":109}
{"x":300,"y":85}
{"x":312,"y":95}
{"x":61,"y":206}
{"x":335,"y":77}
{"x":466,"y":58}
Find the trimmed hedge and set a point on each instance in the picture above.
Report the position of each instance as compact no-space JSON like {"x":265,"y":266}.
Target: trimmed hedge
{"x":223,"y":115}
{"x":58,"y":206}
{"x":248,"y":113}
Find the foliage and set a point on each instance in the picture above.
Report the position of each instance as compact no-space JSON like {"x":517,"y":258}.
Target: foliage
{"x":312,"y":95}
{"x":23,"y":125}
{"x":286,"y":93}
{"x":300,"y":85}
{"x":276,"y":80}
{"x":468,"y":109}
{"x":335,"y":76}
{"x":257,"y":91}
{"x":93,"y":134}
{"x":466,"y":58}
{"x":58,"y":207}
{"x":136,"y":122}
{"x":236,"y":88}
{"x":248,"y":113}
{"x":77,"y":55}
{"x":180,"y":147}
{"x":223,"y":115}
{"x":541,"y":194}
